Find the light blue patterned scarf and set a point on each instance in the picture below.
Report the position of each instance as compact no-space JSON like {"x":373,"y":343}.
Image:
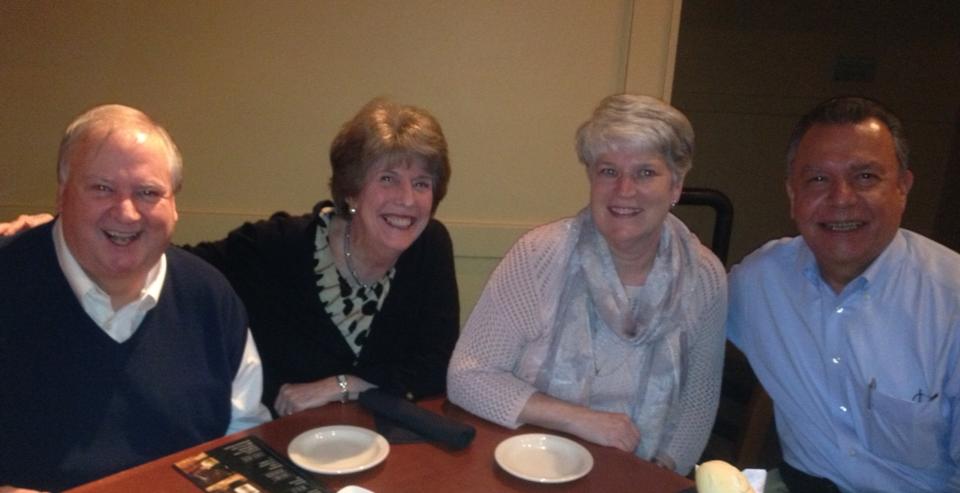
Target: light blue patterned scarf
{"x":594,"y":299}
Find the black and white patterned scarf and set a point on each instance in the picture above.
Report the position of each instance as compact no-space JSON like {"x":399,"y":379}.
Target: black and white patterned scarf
{"x":351,"y":307}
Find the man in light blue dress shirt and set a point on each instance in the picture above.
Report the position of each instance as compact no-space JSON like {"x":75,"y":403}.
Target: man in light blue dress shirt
{"x":853,"y":328}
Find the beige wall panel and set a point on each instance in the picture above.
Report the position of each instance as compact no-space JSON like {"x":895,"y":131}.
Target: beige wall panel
{"x":253,"y":92}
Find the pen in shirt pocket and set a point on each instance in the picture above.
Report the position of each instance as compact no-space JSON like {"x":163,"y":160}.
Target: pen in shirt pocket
{"x":920,"y":396}
{"x":870,"y":388}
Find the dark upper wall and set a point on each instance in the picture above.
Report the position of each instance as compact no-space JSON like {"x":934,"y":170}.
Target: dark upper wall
{"x":747,"y":69}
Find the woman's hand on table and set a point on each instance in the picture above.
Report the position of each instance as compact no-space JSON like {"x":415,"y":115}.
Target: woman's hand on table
{"x":610,"y":429}
{"x":295,"y":397}
{"x":600,"y":427}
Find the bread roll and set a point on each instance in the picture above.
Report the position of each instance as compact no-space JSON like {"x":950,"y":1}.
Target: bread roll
{"x":717,"y":476}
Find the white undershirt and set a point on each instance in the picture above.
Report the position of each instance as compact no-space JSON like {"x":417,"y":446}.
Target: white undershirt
{"x":245,"y":409}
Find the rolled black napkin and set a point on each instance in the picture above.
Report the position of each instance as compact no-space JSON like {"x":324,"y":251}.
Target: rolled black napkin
{"x":427,"y":424}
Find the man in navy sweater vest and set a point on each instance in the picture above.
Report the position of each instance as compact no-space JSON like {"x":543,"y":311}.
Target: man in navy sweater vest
{"x":115,"y":348}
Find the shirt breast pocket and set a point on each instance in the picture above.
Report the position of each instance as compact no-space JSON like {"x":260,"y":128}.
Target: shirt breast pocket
{"x":905,"y":431}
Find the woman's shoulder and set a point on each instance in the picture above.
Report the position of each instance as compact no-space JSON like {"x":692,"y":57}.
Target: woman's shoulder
{"x":547,"y":236}
{"x":709,"y":261}
{"x":435,"y":231}
{"x":432,"y":251}
{"x":276,"y":237}
{"x":434,"y":238}
{"x":283,"y":220}
{"x":711,"y":275}
{"x":282,"y":225}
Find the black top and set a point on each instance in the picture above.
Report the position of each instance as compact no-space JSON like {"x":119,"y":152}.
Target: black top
{"x":271,"y":266}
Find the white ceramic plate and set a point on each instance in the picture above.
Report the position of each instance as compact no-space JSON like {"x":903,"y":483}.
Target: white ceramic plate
{"x":353,"y":489}
{"x":338,"y":449}
{"x":543,"y":458}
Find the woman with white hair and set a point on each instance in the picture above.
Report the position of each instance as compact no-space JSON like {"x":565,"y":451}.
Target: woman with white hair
{"x":607,"y":325}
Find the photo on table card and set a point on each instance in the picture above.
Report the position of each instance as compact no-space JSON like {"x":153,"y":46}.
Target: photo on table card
{"x":211,"y":475}
{"x":247,"y":465}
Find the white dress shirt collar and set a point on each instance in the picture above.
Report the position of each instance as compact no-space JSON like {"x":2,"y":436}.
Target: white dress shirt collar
{"x":120,"y":324}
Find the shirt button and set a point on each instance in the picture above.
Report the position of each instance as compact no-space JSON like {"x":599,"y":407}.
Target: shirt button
{"x":839,"y":309}
{"x":836,"y":360}
{"x":355,"y":363}
{"x":852,"y":453}
{"x":843,"y":408}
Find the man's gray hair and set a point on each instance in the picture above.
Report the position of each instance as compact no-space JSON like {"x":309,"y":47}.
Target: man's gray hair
{"x":850,"y":110}
{"x":109,"y":117}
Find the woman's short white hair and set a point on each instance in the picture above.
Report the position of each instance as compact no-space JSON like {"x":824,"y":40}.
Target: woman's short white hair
{"x":630,"y":122}
{"x":110,"y":116}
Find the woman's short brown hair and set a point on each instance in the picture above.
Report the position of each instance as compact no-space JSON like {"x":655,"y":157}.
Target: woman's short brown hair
{"x":383,"y":129}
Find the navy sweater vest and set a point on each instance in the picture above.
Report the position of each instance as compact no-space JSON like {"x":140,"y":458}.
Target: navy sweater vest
{"x":74,"y":404}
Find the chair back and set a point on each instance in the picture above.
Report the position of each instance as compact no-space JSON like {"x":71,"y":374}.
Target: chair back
{"x":743,"y":430}
{"x":722,"y":220}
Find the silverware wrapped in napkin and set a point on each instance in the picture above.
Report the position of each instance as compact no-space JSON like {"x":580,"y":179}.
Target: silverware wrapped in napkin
{"x":392,"y":410}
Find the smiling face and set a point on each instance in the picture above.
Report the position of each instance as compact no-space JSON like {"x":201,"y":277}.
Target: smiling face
{"x":630,"y":195}
{"x":117,"y":206}
{"x":847,"y":196}
{"x":393,"y":208}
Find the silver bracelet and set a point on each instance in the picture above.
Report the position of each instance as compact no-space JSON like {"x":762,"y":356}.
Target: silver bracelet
{"x":344,"y":389}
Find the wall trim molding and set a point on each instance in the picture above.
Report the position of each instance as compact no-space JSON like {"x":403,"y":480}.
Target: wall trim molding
{"x":481,"y":240}
{"x":652,"y":47}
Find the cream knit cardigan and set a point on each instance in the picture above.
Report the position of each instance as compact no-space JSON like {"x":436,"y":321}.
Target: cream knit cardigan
{"x":502,"y":345}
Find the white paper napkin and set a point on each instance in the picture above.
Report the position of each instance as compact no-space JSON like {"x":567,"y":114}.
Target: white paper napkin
{"x":757,"y":478}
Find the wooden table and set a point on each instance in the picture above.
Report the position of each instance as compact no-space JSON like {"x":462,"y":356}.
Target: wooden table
{"x":418,"y":467}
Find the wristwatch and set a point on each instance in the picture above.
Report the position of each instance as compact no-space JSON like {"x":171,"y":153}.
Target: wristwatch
{"x":344,"y":389}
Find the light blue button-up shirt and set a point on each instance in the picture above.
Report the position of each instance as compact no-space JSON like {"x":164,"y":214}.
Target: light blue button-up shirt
{"x":865,"y":383}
